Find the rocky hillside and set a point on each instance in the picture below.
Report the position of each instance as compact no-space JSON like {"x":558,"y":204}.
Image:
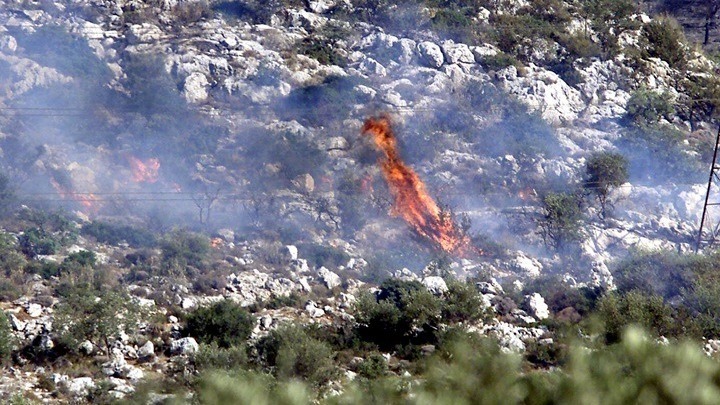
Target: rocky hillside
{"x":169,"y":155}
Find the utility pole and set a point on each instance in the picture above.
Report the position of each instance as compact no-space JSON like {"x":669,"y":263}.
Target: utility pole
{"x":713,"y":180}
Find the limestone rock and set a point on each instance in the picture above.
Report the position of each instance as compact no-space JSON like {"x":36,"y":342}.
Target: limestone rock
{"x":195,"y":88}
{"x":430,"y":54}
{"x":330,"y":279}
{"x":435,"y":285}
{"x":184,"y":346}
{"x":457,"y":53}
{"x":536,"y":306}
{"x":146,"y":352}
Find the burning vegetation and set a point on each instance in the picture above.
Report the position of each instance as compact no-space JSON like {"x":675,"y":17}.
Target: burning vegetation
{"x":144,"y":171}
{"x":412,"y":201}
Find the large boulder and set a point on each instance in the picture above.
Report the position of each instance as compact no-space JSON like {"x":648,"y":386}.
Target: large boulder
{"x":435,"y":285}
{"x":430,"y":54}
{"x":536,"y":306}
{"x":330,"y":279}
{"x":195,"y":88}
{"x":184,"y":346}
{"x":457,"y":53}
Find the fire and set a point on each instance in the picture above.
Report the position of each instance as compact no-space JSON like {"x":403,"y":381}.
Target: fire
{"x":89,"y":201}
{"x":144,"y":171}
{"x":412,"y":201}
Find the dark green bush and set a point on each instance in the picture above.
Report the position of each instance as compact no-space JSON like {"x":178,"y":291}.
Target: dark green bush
{"x":645,"y":108}
{"x":373,"y":366}
{"x":292,"y":353}
{"x":211,"y":357}
{"x":36,"y":241}
{"x":113,"y":234}
{"x":97,"y":316}
{"x":182,"y":249}
{"x":7,"y":340}
{"x":609,"y":19}
{"x":320,"y":255}
{"x":666,"y":41}
{"x":403,"y":313}
{"x":224,"y":323}
{"x":634,"y":308}
{"x":561,"y":220}
{"x":462,"y":303}
{"x":635,"y":370}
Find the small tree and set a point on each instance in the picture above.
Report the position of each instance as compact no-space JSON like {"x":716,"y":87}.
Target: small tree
{"x":97,"y":316}
{"x":605,"y":171}
{"x":560,"y":223}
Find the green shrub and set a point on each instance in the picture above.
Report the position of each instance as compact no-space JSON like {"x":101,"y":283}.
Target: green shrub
{"x":320,"y":255}
{"x":403,"y":313}
{"x":666,"y":41}
{"x":36,"y":241}
{"x":562,"y":218}
{"x":114,"y":234}
{"x":634,"y":308}
{"x":182,"y":249}
{"x":7,"y":340}
{"x":604,"y":172}
{"x":211,"y":357}
{"x":292,"y":353}
{"x":373,"y":366}
{"x":11,"y":262}
{"x":224,"y":323}
{"x":462,"y":303}
{"x":559,"y":296}
{"x":609,"y":19}
{"x":97,"y":316}
{"x":635,"y":370}
{"x":645,"y":108}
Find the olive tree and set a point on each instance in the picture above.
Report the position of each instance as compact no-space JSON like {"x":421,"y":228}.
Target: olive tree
{"x":604,"y":172}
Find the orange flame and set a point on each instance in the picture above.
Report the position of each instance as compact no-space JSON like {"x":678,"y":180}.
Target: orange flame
{"x":412,"y":201}
{"x":88,"y":200}
{"x":144,"y":171}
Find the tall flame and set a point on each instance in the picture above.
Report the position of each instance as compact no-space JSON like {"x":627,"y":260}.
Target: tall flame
{"x":146,"y":171}
{"x":412,"y":201}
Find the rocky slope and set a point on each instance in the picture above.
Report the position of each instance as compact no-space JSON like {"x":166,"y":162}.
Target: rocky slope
{"x":254,"y":121}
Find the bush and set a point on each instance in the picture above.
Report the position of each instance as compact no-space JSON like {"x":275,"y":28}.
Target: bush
{"x":36,"y":241}
{"x":562,"y":218}
{"x":373,"y":366}
{"x":97,"y":316}
{"x":666,"y":41}
{"x":403,"y":313}
{"x":634,"y":308}
{"x":609,"y":19}
{"x":319,"y":255}
{"x":635,"y":370}
{"x":605,"y":171}
{"x":114,"y":234}
{"x":645,"y":108}
{"x":211,"y":357}
{"x":292,"y":353}
{"x":7,"y":340}
{"x":462,"y":303}
{"x":182,"y":249}
{"x":224,"y":323}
